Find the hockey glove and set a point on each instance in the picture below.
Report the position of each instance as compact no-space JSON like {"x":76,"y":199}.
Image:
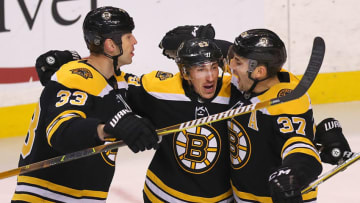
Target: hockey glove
{"x":284,"y":187}
{"x":332,"y":144}
{"x":172,"y":39}
{"x":138,"y":133}
{"x":48,"y":63}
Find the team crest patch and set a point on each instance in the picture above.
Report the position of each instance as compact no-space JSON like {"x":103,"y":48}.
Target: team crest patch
{"x":163,"y":75}
{"x":284,"y":92}
{"x":83,"y":72}
{"x":197,"y":149}
{"x":109,"y":156}
{"x":240,"y":145}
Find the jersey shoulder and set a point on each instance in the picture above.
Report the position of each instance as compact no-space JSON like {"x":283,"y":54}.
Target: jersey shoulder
{"x":287,"y":84}
{"x":162,"y":83}
{"x":226,"y":86}
{"x":80,"y":75}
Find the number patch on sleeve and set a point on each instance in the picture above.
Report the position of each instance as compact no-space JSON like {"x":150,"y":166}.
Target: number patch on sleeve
{"x":288,"y":125}
{"x":77,"y":98}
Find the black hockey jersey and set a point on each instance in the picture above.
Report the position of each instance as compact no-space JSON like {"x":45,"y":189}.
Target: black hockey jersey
{"x":191,"y":165}
{"x":266,"y":139}
{"x":65,"y":120}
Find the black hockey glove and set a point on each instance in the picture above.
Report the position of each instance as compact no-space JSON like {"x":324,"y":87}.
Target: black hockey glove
{"x":138,"y":133}
{"x":284,"y":187}
{"x":48,"y":63}
{"x":172,"y":39}
{"x":332,"y":144}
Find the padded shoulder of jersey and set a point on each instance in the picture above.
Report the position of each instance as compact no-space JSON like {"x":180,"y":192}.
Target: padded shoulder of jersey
{"x":162,"y":82}
{"x":226,"y":86}
{"x":81,"y":76}
{"x":297,"y":106}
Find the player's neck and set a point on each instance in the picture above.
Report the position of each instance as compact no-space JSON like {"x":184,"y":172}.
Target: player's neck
{"x":266,"y":84}
{"x":103,"y":64}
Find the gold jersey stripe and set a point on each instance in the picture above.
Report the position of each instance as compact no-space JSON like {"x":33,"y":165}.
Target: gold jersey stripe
{"x":184,"y":196}
{"x":264,"y":199}
{"x":292,"y":140}
{"x":62,"y":189}
{"x":304,"y":151}
{"x":58,"y":120}
{"x":252,"y":197}
{"x":31,"y":198}
{"x":150,"y":195}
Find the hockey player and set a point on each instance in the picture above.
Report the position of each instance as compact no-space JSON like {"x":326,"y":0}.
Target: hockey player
{"x":82,"y":106}
{"x":194,"y":92}
{"x":191,"y":165}
{"x":272,"y":153}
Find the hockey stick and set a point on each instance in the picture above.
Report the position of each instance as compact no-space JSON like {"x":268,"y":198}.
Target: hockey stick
{"x":331,"y":173}
{"x":310,"y":74}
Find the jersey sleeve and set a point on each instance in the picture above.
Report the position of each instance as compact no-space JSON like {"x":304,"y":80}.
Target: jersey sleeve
{"x":293,"y":125}
{"x":150,"y":87}
{"x":68,"y":125}
{"x":136,"y":94}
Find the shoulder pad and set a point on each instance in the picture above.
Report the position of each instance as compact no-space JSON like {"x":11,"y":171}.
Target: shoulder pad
{"x":226,"y":87}
{"x":132,"y":79}
{"x":78,"y":75}
{"x":162,"y":82}
{"x":297,"y":106}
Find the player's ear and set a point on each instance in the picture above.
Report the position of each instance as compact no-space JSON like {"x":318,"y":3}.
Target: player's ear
{"x":185,"y":73}
{"x":260,"y":72}
{"x":109,"y":45}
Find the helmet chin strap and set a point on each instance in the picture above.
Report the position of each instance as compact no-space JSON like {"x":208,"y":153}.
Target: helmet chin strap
{"x":247,"y":93}
{"x":252,"y":65}
{"x":115,"y":60}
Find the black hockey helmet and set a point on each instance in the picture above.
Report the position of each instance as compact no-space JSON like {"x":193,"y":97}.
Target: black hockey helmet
{"x":103,"y":23}
{"x":263,"y":47}
{"x":197,"y":51}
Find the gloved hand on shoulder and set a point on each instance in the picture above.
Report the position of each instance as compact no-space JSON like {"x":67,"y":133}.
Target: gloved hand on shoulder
{"x":48,"y":63}
{"x":172,"y":39}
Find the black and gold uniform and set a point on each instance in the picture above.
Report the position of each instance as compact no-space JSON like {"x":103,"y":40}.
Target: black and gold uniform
{"x":261,"y":141}
{"x":191,"y":165}
{"x":65,"y":120}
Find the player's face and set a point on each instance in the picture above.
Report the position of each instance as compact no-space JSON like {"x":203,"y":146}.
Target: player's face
{"x":239,"y":67}
{"x":204,"y":77}
{"x":128,"y":43}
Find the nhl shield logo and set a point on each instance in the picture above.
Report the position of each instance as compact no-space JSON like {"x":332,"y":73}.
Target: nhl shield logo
{"x":197,"y":149}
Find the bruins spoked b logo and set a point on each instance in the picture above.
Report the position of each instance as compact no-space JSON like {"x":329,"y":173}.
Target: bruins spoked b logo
{"x":240,"y":146}
{"x":197,"y":149}
{"x":109,"y":156}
